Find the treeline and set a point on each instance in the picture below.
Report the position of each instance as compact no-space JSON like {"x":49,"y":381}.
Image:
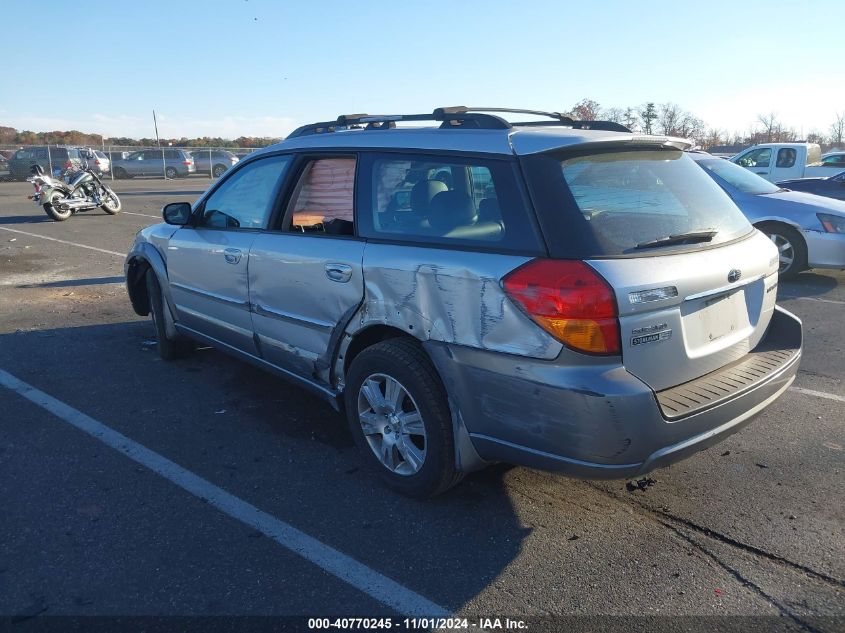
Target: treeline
{"x":648,"y":118}
{"x":672,"y":120}
{"x":11,"y":136}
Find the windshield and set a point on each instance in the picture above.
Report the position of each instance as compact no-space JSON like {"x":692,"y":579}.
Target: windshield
{"x":628,"y":198}
{"x":739,"y":177}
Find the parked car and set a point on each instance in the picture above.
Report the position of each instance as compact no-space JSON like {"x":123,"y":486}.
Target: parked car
{"x":51,"y":159}
{"x":571,"y":297}
{"x":96,"y":160}
{"x":213,"y":162}
{"x":808,"y":230}
{"x":781,"y":161}
{"x":830,"y":187}
{"x":171,"y":163}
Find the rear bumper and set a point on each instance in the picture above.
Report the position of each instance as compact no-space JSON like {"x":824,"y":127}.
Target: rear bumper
{"x":598,"y":421}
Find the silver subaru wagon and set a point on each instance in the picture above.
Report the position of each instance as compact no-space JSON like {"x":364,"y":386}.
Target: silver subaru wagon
{"x":564,"y":295}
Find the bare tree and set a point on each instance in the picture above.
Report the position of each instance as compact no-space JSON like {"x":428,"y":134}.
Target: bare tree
{"x":837,"y":129}
{"x":713,"y":137}
{"x":771,"y":126}
{"x":617,"y":115}
{"x":672,"y":120}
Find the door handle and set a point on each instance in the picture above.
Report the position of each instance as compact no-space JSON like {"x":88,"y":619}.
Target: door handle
{"x":232,"y":255}
{"x":339,"y":272}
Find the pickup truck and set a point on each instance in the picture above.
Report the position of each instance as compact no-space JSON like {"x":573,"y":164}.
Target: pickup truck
{"x":785,"y":161}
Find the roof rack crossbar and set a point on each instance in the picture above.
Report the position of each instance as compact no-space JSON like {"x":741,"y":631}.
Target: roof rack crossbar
{"x":453,"y":117}
{"x":465,"y":109}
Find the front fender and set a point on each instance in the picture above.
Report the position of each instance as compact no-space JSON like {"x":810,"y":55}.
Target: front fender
{"x":141,"y":257}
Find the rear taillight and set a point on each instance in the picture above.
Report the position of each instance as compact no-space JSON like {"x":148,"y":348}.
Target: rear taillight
{"x":68,"y":164}
{"x":569,"y":300}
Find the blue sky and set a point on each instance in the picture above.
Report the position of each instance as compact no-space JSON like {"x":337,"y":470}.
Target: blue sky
{"x":261,"y":67}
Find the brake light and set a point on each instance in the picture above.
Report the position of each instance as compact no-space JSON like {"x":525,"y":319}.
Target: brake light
{"x":187,"y":162}
{"x":569,"y":300}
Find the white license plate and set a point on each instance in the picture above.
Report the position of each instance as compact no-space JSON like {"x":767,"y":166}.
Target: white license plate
{"x":722,"y":315}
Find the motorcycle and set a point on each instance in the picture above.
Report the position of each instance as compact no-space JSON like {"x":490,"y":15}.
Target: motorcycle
{"x":80,"y":191}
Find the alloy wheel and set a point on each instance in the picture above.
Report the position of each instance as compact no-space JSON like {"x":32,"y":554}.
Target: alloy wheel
{"x":392,"y":424}
{"x":786,"y":251}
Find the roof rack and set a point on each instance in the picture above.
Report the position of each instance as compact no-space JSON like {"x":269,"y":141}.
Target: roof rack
{"x":450,"y":118}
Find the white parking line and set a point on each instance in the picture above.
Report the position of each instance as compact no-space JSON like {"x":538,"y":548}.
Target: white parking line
{"x":146,"y":215}
{"x":338,"y":564}
{"x":819,"y":394}
{"x":53,"y":239}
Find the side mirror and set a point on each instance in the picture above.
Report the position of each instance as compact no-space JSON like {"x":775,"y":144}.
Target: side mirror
{"x":177,"y":213}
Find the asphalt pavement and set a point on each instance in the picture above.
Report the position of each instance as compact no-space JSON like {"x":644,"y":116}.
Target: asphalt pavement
{"x":233,"y":493}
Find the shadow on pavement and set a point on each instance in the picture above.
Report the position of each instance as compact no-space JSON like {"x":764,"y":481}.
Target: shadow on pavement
{"x":24,"y":219}
{"x":277,"y":447}
{"x":807,"y":284}
{"x":70,"y":283}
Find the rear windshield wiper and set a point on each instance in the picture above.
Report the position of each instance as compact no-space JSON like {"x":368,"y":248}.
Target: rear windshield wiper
{"x":691,"y":237}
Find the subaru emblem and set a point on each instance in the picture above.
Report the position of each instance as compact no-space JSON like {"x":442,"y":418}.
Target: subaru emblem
{"x":734,"y":275}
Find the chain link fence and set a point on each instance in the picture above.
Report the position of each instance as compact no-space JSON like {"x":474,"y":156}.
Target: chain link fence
{"x":121,"y":161}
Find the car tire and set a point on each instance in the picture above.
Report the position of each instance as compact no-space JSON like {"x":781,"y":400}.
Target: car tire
{"x":168,"y":348}
{"x":218,"y":170}
{"x":792,"y":250}
{"x":170,"y":173}
{"x":121,"y":173}
{"x":409,"y":442}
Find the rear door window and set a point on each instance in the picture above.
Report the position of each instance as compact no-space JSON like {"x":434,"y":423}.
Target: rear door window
{"x":324,"y":198}
{"x":446,"y":200}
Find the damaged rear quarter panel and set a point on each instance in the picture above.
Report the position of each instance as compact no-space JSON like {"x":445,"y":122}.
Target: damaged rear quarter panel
{"x":450,"y":296}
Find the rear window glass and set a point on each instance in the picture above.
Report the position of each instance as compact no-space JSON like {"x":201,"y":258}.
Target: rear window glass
{"x":447,"y":200}
{"x":615,"y":203}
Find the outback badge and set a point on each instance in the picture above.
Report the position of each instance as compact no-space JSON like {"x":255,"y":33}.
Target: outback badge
{"x":651,"y":334}
{"x":734,"y":275}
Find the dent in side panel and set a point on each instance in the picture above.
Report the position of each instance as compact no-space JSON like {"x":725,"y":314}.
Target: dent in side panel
{"x":450,"y":296}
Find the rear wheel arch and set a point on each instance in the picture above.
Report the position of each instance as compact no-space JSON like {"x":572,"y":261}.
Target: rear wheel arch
{"x":365,"y":338}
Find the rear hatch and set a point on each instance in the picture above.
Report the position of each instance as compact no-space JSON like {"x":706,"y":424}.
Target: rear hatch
{"x":695,"y":284}
{"x":685,"y":315}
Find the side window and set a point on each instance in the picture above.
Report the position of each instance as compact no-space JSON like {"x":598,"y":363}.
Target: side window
{"x":786,"y":157}
{"x":421,"y":199}
{"x":757,"y":158}
{"x":245,"y":199}
{"x":323,"y":201}
{"x":41,"y":153}
{"x":150,"y":154}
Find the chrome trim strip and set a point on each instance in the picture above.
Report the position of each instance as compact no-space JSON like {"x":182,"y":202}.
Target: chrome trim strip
{"x":274,"y":313}
{"x":211,"y":295}
{"x":727,"y":288}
